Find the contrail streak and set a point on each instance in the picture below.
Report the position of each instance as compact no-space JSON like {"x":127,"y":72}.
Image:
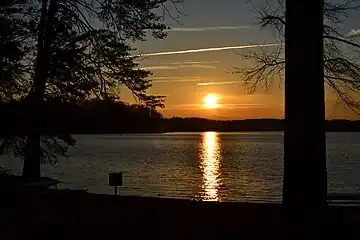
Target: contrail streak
{"x":200,"y":50}
{"x":174,"y":67}
{"x":176,"y":81}
{"x":209,"y":28}
{"x":216,"y":83}
{"x":172,"y":78}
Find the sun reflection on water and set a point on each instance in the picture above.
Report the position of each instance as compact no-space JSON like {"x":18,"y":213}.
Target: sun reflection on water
{"x":210,"y":166}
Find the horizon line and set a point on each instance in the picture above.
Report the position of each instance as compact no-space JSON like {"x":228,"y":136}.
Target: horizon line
{"x":247,"y":119}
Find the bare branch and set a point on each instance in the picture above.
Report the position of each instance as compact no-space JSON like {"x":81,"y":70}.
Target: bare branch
{"x":342,"y":41}
{"x":342,"y":69}
{"x":272,"y":20}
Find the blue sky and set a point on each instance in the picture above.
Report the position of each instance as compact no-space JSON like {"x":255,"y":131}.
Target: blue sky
{"x":200,"y":53}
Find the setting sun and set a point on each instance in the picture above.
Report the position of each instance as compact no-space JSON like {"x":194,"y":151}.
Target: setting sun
{"x":211,"y":101}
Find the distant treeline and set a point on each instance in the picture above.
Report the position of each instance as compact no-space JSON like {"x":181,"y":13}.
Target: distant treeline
{"x":199,"y":125}
{"x":96,"y":116}
{"x":106,"y":117}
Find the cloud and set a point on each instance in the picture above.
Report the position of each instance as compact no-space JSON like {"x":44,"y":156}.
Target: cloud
{"x":184,"y":107}
{"x":188,"y":79}
{"x":172,"y":78}
{"x":220,"y":106}
{"x":182,"y":80}
{"x":213,"y":49}
{"x":159,"y":68}
{"x":175,"y":67}
{"x":243,"y":105}
{"x":197,"y":66}
{"x":199,"y":81}
{"x":354,"y":32}
{"x":202,"y":29}
{"x":217,"y":83}
{"x":193,"y":62}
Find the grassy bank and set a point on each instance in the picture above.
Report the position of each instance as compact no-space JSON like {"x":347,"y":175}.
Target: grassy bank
{"x":79,"y":215}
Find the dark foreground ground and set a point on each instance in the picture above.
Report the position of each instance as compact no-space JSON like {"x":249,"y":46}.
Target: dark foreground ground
{"x":78,"y":215}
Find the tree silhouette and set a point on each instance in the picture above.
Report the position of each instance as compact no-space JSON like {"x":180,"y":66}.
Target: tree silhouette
{"x":78,"y":50}
{"x":311,"y":51}
{"x":341,"y":51}
{"x":304,"y":181}
{"x":11,"y":52}
{"x":12,"y":55}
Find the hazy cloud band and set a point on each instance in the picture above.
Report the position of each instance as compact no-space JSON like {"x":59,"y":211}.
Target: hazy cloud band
{"x":354,"y":32}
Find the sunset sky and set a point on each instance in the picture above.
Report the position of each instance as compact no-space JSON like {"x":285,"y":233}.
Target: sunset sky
{"x":198,"y":56}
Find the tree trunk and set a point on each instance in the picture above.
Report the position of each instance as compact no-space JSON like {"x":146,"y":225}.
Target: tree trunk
{"x":305,"y":180}
{"x":3,"y":144}
{"x":31,"y":167}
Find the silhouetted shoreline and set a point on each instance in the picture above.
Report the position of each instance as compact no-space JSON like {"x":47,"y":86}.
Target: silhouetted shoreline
{"x":72,"y":215}
{"x":104,"y":117}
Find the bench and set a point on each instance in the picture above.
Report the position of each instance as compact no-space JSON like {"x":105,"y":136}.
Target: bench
{"x":44,"y":183}
{"x":343,"y":198}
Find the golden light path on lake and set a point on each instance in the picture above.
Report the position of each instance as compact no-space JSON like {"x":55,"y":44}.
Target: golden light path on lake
{"x":210,"y":165}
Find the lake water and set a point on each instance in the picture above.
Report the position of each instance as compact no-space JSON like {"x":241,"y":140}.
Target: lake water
{"x":207,"y":166}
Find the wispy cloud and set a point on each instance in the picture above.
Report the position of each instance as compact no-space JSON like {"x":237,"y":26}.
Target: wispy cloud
{"x":184,"y":107}
{"x":175,"y":67}
{"x":183,"y":80}
{"x":159,"y":68}
{"x":217,"y":83}
{"x":243,"y":105}
{"x":354,"y":32}
{"x":193,"y":62}
{"x":202,"y":29}
{"x":213,"y":49}
{"x":198,"y":80}
{"x":172,"y":78}
{"x":221,"y":106}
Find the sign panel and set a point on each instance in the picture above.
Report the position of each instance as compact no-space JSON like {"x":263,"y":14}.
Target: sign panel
{"x":115,"y":179}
